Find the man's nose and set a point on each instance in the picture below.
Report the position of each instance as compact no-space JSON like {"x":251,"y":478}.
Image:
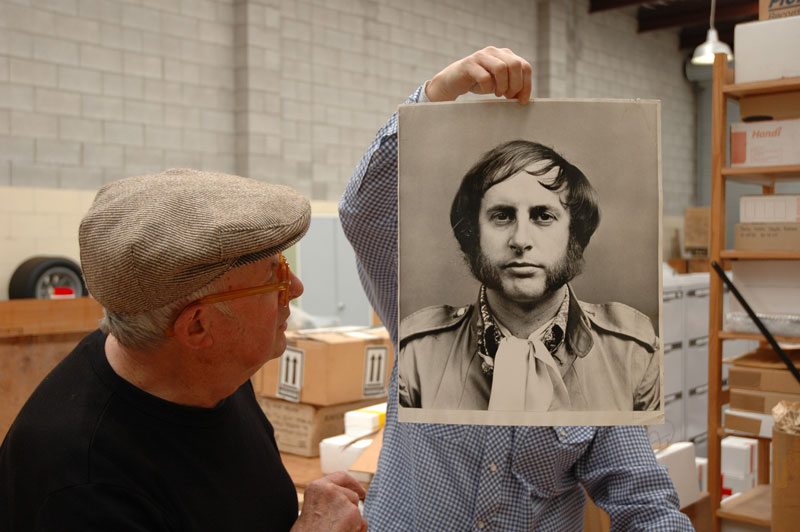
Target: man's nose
{"x":296,"y":288}
{"x":521,"y":238}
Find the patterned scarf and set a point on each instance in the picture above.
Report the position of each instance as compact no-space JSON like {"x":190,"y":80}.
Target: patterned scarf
{"x":490,"y":335}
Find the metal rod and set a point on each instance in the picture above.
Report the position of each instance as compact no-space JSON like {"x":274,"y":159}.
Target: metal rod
{"x":757,"y":321}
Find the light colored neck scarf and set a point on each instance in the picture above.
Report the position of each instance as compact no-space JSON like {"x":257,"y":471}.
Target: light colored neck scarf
{"x":526,"y":378}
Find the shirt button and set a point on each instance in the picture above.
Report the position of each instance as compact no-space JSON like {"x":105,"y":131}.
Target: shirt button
{"x":562,"y":432}
{"x":460,"y":312}
{"x":493,"y":468}
{"x":481,"y":524}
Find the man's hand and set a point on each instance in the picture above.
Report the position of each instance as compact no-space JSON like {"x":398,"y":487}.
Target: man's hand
{"x":331,"y":504}
{"x":491,"y":70}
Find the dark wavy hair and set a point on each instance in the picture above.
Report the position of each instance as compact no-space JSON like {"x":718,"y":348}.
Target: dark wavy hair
{"x":506,"y":160}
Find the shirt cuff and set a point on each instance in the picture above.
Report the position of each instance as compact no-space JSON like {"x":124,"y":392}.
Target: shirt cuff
{"x":423,"y":97}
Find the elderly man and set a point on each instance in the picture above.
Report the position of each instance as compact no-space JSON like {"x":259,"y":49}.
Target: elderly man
{"x":459,"y":477}
{"x":523,"y":217}
{"x":151,"y":422}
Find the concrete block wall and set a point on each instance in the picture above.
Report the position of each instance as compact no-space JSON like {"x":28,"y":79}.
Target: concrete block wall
{"x":290,"y":91}
{"x":94,"y":90}
{"x":601,"y":56}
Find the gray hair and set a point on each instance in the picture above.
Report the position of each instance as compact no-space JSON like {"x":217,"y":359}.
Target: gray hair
{"x":144,"y":331}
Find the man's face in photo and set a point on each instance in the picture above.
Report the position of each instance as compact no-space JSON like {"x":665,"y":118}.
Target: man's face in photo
{"x":524,"y":237}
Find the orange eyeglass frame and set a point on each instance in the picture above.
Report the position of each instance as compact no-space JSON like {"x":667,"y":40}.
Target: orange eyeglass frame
{"x":282,"y":286}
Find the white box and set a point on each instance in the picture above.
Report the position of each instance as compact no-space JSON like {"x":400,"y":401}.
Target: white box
{"x":365,"y":420}
{"x":702,"y":473}
{"x":766,"y":143}
{"x":732,"y":484}
{"x":768,"y":286}
{"x":338,"y":453}
{"x":678,"y":458}
{"x":739,"y":456}
{"x":769,"y":208}
{"x":765,"y":49}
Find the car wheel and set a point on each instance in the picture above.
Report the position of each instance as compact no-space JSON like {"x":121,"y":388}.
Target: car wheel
{"x":38,"y":276}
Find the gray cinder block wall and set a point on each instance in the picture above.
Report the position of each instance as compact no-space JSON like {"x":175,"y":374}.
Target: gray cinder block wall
{"x":285,"y":90}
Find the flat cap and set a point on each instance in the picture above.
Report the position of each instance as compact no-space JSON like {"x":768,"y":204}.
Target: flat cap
{"x":150,"y":240}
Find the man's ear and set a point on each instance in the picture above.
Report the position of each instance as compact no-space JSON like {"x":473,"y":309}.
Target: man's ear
{"x":192,"y":328}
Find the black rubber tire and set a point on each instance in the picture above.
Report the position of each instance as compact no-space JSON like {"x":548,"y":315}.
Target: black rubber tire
{"x":32,"y":277}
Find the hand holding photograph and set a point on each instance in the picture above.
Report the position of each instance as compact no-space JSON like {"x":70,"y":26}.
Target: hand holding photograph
{"x":530,"y":263}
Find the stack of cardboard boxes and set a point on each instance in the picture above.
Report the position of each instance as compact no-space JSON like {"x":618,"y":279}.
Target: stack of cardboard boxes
{"x":323,"y":374}
{"x":758,"y":381}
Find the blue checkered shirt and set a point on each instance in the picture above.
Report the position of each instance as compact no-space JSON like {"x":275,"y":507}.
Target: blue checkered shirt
{"x":435,"y":477}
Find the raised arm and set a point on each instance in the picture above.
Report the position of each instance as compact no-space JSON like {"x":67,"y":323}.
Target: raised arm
{"x":368,"y":208}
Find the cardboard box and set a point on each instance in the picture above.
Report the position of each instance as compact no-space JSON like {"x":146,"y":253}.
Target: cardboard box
{"x":768,"y":286}
{"x":763,"y":49}
{"x":771,"y":9}
{"x":739,"y":456}
{"x":299,"y":428}
{"x":767,"y":236}
{"x":766,"y":143}
{"x":330,"y":366}
{"x":764,"y":380}
{"x":366,"y":465}
{"x":785,"y":481}
{"x":699,"y":265}
{"x":338,"y":453}
{"x":769,"y":208}
{"x":781,"y":106}
{"x":365,"y":421}
{"x":749,"y":422}
{"x":696,"y":232}
{"x":761,"y":402}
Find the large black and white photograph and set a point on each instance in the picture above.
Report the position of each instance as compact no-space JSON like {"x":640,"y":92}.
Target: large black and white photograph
{"x":530,"y":263}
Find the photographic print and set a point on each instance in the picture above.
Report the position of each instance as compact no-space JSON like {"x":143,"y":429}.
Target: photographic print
{"x":530,"y":263}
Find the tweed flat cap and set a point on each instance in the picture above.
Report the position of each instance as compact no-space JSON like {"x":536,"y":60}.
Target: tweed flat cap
{"x":151,"y":240}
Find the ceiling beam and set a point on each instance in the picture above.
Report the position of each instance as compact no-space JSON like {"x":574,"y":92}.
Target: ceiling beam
{"x":650,"y":20}
{"x":605,"y":5}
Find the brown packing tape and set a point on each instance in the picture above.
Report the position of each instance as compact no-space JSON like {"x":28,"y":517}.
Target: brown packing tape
{"x":744,"y":379}
{"x":743,"y":424}
{"x":765,"y":380}
{"x":761,"y":402}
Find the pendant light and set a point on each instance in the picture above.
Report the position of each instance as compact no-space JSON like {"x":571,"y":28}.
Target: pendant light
{"x":704,"y":54}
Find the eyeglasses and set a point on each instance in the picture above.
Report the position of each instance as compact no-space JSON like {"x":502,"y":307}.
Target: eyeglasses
{"x":283,"y":273}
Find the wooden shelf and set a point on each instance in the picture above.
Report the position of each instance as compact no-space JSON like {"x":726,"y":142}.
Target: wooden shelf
{"x":730,"y":335}
{"x":733,"y":254}
{"x":756,"y":88}
{"x":753,"y":506}
{"x":725,"y":432}
{"x":762,"y":175}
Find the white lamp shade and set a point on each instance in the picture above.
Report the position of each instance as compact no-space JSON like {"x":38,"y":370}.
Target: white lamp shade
{"x":704,"y":54}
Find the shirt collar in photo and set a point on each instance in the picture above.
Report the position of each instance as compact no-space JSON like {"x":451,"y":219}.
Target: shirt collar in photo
{"x":490,"y":334}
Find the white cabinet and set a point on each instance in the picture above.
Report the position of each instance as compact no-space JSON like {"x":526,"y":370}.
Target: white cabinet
{"x":327,"y":267}
{"x":685,"y":340}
